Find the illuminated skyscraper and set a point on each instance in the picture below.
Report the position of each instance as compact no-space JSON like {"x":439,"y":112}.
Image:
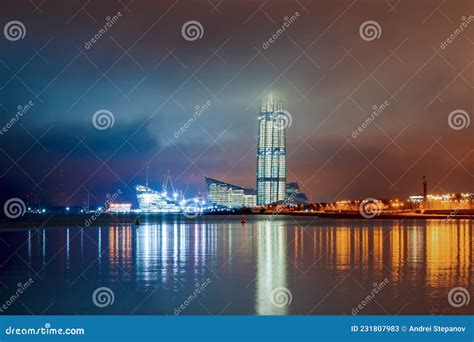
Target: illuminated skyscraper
{"x":271,"y":152}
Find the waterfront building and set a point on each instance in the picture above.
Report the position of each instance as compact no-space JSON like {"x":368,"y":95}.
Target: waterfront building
{"x":250,"y":200}
{"x":228,"y":195}
{"x":152,"y":201}
{"x":271,"y":152}
{"x":454,"y":201}
{"x":294,"y":195}
{"x":120,"y":208}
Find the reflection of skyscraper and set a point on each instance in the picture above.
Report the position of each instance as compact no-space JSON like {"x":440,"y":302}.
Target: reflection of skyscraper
{"x":271,"y":152}
{"x":272,"y":271}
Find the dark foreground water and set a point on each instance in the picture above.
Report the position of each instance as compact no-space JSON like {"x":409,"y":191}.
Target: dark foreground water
{"x":216,"y":265}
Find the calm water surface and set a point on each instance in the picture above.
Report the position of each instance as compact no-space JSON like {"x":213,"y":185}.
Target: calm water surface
{"x":215,"y":265}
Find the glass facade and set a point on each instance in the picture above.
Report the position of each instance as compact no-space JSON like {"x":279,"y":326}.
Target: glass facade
{"x":271,"y":153}
{"x":228,"y":195}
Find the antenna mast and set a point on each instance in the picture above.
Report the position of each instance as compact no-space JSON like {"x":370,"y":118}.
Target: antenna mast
{"x":146,"y":183}
{"x":165,"y":183}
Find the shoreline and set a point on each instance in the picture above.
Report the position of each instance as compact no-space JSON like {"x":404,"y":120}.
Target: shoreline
{"x":391,"y":216}
{"x":58,"y":219}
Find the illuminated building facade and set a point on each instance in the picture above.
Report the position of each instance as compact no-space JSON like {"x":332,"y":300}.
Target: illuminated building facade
{"x":250,"y":200}
{"x":228,"y":195}
{"x":120,"y":207}
{"x":455,"y":201}
{"x":152,"y":201}
{"x":271,"y":152}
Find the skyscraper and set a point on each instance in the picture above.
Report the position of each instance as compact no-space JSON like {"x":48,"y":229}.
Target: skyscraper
{"x":271,"y":152}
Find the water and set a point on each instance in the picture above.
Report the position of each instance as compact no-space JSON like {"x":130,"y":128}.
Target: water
{"x":216,"y":265}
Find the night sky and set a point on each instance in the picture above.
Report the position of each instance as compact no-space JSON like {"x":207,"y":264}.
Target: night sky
{"x":151,"y":79}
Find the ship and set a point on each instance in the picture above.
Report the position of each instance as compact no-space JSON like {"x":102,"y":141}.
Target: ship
{"x":153,"y":201}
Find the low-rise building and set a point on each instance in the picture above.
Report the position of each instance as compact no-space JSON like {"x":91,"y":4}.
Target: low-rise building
{"x":229,"y":195}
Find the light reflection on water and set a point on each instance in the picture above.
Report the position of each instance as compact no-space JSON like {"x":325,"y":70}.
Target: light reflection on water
{"x":328,"y":266}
